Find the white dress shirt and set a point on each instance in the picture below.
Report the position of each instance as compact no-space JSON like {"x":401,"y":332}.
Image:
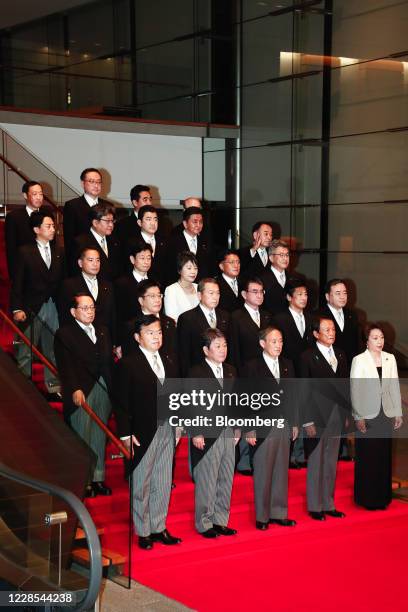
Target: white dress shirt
{"x":137,"y":276}
{"x":88,"y":329}
{"x":90,"y":200}
{"x":149,"y":239}
{"x":280,"y":276}
{"x":101,"y":240}
{"x":328,"y":354}
{"x":273,"y":365}
{"x":254,"y":314}
{"x":232,"y":282}
{"x":207,"y":313}
{"x":161,"y":374}
{"x":92,"y":284}
{"x":191,"y":241}
{"x":29,"y":211}
{"x":299,"y":319}
{"x":216,"y":368}
{"x":338,"y":315}
{"x":43,"y":247}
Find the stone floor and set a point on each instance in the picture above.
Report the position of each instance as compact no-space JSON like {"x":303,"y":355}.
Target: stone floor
{"x":115,"y":598}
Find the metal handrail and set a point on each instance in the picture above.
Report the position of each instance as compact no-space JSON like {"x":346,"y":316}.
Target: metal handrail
{"x":92,"y":538}
{"x":122,"y":448}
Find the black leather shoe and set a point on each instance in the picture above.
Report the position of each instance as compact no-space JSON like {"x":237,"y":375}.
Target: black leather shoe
{"x":210,"y":533}
{"x":100,"y":488}
{"x":261,"y":526}
{"x":334,"y":513}
{"x":145,"y":543}
{"x":222,"y":530}
{"x":89,"y":491}
{"x":165,"y":538}
{"x":282,"y":522}
{"x":317,"y":516}
{"x":294,"y":465}
{"x":245,"y":472}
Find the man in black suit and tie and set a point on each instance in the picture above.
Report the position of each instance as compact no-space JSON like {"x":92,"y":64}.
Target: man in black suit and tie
{"x":87,"y":282}
{"x":33,"y":298}
{"x":76,"y":211}
{"x":18,"y":230}
{"x":213,"y":458}
{"x":229,"y":282}
{"x":99,"y":237}
{"x":192,"y":323}
{"x":254,"y":258}
{"x":84,"y":359}
{"x":325,"y":405}
{"x":127,"y":228}
{"x":348,"y":334}
{"x":148,"y":222}
{"x":296,"y":327}
{"x":153,"y":442}
{"x":150,"y":301}
{"x":190,"y":239}
{"x":275,"y":278}
{"x":126,"y":293}
{"x":271,"y":453}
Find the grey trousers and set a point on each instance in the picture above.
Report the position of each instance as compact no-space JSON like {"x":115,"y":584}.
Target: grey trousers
{"x":151,"y":481}
{"x":271,"y":477}
{"x":41,"y":330}
{"x":213,"y":477}
{"x":89,"y":431}
{"x":322,"y":466}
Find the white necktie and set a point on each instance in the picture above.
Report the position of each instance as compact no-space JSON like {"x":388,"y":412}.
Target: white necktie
{"x":193,"y":245}
{"x":157,"y":369}
{"x":213,"y":322}
{"x":275,"y":369}
{"x":263,"y":255}
{"x":47,"y":255}
{"x":104,"y":245}
{"x":89,"y":330}
{"x":93,"y":287}
{"x":301,"y":325}
{"x":218,"y":370}
{"x":282,"y":279}
{"x":235,"y":286}
{"x":332,"y":359}
{"x":340,"y":319}
{"x":257,"y":318}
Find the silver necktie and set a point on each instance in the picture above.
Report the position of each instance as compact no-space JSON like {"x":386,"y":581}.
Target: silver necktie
{"x":104,"y":245}
{"x":301,"y":325}
{"x":275,"y":369}
{"x":332,"y":359}
{"x":257,"y":318}
{"x":47,"y":255}
{"x":88,"y":330}
{"x":282,"y":279}
{"x":235,"y":286}
{"x":213,"y":322}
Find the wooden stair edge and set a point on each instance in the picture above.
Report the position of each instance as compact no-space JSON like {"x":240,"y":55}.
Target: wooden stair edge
{"x":109,"y":557}
{"x":80,"y":533}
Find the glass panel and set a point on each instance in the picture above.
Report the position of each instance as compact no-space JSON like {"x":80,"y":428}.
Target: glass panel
{"x":165,"y":28}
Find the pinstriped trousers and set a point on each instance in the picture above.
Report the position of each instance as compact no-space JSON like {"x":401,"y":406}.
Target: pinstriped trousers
{"x":213,"y":477}
{"x":151,"y":481}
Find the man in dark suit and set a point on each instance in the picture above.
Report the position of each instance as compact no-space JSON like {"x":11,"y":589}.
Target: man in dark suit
{"x":244,"y":344}
{"x":275,"y":278}
{"x":18,"y":230}
{"x":254,"y":258}
{"x":84,"y":360}
{"x":99,"y":236}
{"x":87,"y":282}
{"x":126,"y":294}
{"x":153,"y":442}
{"x":127,"y":229}
{"x":192,"y":323}
{"x":206,"y":233}
{"x":296,"y":327}
{"x":150,"y":301}
{"x":271,"y":453}
{"x":348,"y":333}
{"x":76,"y":211}
{"x":325,"y":405}
{"x":148,"y":222}
{"x":229,"y":281}
{"x":190,"y":239}
{"x":213,"y":458}
{"x":33,"y":298}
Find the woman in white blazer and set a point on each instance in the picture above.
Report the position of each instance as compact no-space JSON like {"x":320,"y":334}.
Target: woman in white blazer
{"x":376,"y":401}
{"x":182,"y":295}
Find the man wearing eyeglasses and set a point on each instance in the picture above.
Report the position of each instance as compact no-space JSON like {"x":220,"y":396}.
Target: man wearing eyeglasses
{"x":76,"y":211}
{"x":276,"y":276}
{"x":83,"y":352}
{"x":99,"y":236}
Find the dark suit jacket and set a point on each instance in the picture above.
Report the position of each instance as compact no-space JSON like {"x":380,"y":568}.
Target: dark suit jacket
{"x":33,"y":283}
{"x":18,"y":233}
{"x":136,"y":391}
{"x":127,"y":305}
{"x":157,"y":271}
{"x":244,"y":336}
{"x":80,"y":362}
{"x":169,"y":346}
{"x":76,"y":220}
{"x":293,"y":343}
{"x":203,"y":370}
{"x":251,"y":266}
{"x":191,"y":324}
{"x":331,"y":388}
{"x":288,"y":409}
{"x":175,"y":245}
{"x":110,"y":266}
{"x":228,"y":300}
{"x":275,"y":297}
{"x":105,"y":304}
{"x":349,"y":340}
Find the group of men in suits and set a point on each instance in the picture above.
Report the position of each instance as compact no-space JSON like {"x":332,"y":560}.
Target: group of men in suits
{"x":106,"y":294}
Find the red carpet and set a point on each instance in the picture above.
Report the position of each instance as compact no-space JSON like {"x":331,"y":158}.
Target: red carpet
{"x":353,"y":563}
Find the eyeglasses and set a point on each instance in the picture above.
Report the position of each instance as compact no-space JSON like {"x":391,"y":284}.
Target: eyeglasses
{"x":152,"y":296}
{"x":108,"y":221}
{"x":256,"y":291}
{"x":93,"y":182}
{"x":283,"y":255}
{"x":232,"y":262}
{"x":86,"y":308}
